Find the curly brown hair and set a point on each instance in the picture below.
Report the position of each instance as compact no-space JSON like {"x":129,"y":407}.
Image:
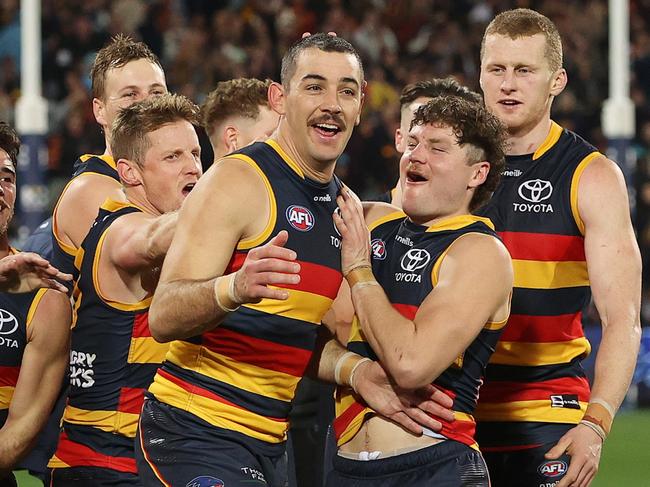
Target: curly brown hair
{"x":474,"y":125}
{"x":9,"y":141}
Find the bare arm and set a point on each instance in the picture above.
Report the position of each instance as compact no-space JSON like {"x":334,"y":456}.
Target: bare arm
{"x":476,"y":270}
{"x":78,"y":205}
{"x":225,"y":207}
{"x":137,"y":241}
{"x":41,"y":375}
{"x":614,"y":266}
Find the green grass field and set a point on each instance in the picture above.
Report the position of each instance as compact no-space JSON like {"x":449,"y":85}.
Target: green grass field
{"x":625,"y":461}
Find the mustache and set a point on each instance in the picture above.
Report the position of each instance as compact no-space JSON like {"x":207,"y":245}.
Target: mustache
{"x":333,"y":118}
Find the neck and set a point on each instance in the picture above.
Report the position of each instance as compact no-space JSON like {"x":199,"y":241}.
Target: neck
{"x":312,"y":169}
{"x":432,"y":220}
{"x":527,"y":141}
{"x":136,"y":196}
{"x":107,"y":151}
{"x":5,"y":248}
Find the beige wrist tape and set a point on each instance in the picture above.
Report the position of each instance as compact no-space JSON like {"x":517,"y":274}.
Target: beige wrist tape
{"x":599,"y":415}
{"x":223,"y":293}
{"x":345,"y":365}
{"x":360,"y":274}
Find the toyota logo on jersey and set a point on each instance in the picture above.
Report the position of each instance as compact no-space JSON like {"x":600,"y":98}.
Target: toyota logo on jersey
{"x":415,"y":259}
{"x":8,"y":322}
{"x":535,"y":190}
{"x":300,"y":218}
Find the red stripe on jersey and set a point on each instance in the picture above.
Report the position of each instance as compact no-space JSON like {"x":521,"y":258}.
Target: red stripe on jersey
{"x":131,"y":399}
{"x":539,"y":329}
{"x":256,"y":351}
{"x":9,"y":376}
{"x":77,"y":455}
{"x":506,"y":391}
{"x":543,"y":246}
{"x":141,"y":325}
{"x":459,"y":430}
{"x":408,"y":311}
{"x":314,"y":278}
{"x":342,"y":421}
{"x":193,"y":389}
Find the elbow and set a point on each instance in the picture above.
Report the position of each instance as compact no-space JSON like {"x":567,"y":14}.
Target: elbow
{"x":408,"y":374}
{"x":157,"y":328}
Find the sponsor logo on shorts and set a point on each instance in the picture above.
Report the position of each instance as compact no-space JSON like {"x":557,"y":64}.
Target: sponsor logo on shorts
{"x":300,"y":218}
{"x":205,"y":481}
{"x":378,"y":248}
{"x":568,"y":401}
{"x":553,"y":468}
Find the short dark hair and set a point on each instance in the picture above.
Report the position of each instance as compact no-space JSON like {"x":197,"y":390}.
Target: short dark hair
{"x":242,"y":97}
{"x":433,"y":87}
{"x":324,"y":42}
{"x":119,"y":52}
{"x":9,"y":141}
{"x":472,"y":124}
{"x":524,"y":22}
{"x":129,"y":135}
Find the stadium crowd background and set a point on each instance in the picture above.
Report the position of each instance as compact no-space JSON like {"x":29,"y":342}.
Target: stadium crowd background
{"x":201,"y":42}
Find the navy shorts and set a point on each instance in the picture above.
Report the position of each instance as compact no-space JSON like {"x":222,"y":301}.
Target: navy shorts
{"x":176,"y":448}
{"x":446,"y":464}
{"x":92,"y":477}
{"x":526,"y":468}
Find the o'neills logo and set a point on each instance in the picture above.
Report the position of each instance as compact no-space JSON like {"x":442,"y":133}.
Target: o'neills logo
{"x":300,"y":218}
{"x":534,"y":192}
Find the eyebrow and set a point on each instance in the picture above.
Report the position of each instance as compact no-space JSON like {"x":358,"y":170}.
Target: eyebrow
{"x":134,"y":87}
{"x":319,"y":77}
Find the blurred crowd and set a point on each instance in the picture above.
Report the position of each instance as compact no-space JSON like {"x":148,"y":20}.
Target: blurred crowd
{"x":201,"y":42}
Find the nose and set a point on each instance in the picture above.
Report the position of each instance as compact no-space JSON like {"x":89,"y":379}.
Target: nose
{"x":331,"y":103}
{"x":509,"y":82}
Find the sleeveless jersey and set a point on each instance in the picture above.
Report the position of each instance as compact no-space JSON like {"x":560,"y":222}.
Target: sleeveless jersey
{"x":16,"y":313}
{"x":63,"y":255}
{"x":535,"y":376}
{"x":406,"y":260}
{"x":113,"y":359}
{"x":242,"y":375}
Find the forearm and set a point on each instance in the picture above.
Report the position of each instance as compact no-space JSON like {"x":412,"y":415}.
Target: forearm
{"x":184,"y":308}
{"x":16,"y":438}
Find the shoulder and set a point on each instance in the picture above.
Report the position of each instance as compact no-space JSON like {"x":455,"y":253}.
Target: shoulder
{"x":91,"y":186}
{"x":377,"y":213}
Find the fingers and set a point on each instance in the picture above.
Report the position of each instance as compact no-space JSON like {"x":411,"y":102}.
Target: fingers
{"x":423,"y":419}
{"x":403,"y":420}
{"x":441,"y":398}
{"x":279,"y":240}
{"x":559,"y":449}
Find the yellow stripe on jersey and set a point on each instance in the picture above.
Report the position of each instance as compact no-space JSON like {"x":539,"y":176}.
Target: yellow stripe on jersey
{"x":250,"y":378}
{"x":344,"y":400}
{"x":534,"y":274}
{"x":551,"y":139}
{"x":144,"y":304}
{"x":575,"y":181}
{"x":219,"y":414}
{"x":266,"y":233}
{"x":6,"y":393}
{"x":395,"y":215}
{"x":104,"y":157}
{"x":34,"y":305}
{"x":119,"y":422}
{"x":285,"y":157}
{"x":457,"y":222}
{"x":300,"y":305}
{"x":146,"y":350}
{"x":534,"y":354}
{"x":537,"y":410}
{"x":56,"y":462}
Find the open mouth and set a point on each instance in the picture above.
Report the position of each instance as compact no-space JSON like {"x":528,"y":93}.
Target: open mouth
{"x":188,"y":188}
{"x":509,"y":103}
{"x":414,"y":177}
{"x":327,"y":129}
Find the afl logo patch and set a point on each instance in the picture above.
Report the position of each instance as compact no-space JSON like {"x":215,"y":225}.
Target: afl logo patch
{"x":300,"y":218}
{"x":554,"y":468}
{"x":378,"y":248}
{"x":205,"y":481}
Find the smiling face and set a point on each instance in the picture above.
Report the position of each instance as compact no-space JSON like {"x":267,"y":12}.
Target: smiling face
{"x":517,"y":81}
{"x":437,"y":181}
{"x":7,"y":191}
{"x":125,"y":85}
{"x":322,"y":104}
{"x":171,"y":165}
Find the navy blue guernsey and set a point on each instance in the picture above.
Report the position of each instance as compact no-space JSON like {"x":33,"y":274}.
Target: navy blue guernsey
{"x":242,"y":375}
{"x":406,"y":259}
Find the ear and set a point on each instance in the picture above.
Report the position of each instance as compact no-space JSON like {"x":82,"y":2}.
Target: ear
{"x":99,"y":110}
{"x":399,"y":140}
{"x":480,"y":172}
{"x":560,"y":79}
{"x":230,"y":136}
{"x":277,"y":97}
{"x":364,"y":88}
{"x":129,"y":172}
